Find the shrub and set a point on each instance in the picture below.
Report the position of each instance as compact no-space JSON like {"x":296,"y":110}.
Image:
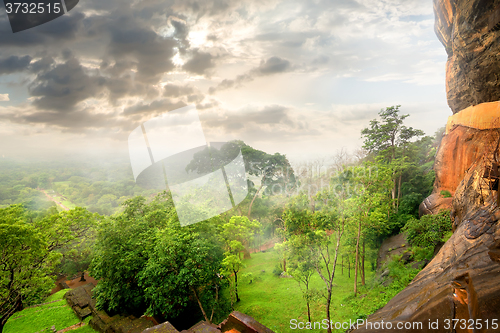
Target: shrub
{"x":429,"y":230}
{"x":277,"y":270}
{"x":446,"y":194}
{"x":420,"y":254}
{"x":249,"y":277}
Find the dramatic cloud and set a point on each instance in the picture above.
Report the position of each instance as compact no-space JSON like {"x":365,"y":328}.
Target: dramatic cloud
{"x":172,"y":90}
{"x":14,"y":64}
{"x":286,"y":75}
{"x":199,"y":63}
{"x":273,"y":65}
{"x":154,"y":107}
{"x":63,"y":86}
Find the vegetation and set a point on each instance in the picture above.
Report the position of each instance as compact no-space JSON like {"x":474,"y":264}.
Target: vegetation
{"x":430,"y":230}
{"x":328,"y":220}
{"x":54,"y":312}
{"x":30,"y":253}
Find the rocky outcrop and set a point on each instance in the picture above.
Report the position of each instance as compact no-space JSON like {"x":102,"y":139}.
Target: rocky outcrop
{"x":236,"y":322}
{"x":469,"y":31}
{"x":393,"y":246}
{"x":469,"y":135}
{"x":81,"y":301}
{"x":463,"y":280}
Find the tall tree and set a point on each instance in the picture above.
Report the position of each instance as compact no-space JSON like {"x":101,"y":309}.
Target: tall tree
{"x":386,"y":137}
{"x":367,"y":206}
{"x":320,"y":232}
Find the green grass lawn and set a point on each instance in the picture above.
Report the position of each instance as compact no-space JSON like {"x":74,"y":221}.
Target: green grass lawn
{"x":274,"y":301}
{"x":68,"y":204}
{"x":54,"y":312}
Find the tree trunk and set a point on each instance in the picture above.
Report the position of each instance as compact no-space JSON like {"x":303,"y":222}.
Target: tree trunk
{"x":199,"y":303}
{"x":308,"y":312}
{"x":339,"y":236}
{"x":216,"y":300}
{"x":363,"y":265}
{"x":399,"y":192}
{"x":357,"y":260}
{"x":328,"y":301}
{"x":236,"y":285}
{"x":255,"y":196}
{"x":284,"y":264}
{"x":348,"y":267}
{"x":82,"y":278}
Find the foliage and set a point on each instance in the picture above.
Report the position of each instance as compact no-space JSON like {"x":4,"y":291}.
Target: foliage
{"x":429,"y":230}
{"x":182,"y":264}
{"x":30,"y":253}
{"x":422,"y":253}
{"x":445,"y":194}
{"x":148,"y":263}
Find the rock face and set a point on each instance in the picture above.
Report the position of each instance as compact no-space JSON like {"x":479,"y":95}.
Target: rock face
{"x":469,"y":31}
{"x":81,"y":301}
{"x":463,"y":280}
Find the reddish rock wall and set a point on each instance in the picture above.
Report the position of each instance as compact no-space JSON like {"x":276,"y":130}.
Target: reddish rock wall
{"x":463,"y":280}
{"x":467,"y":30}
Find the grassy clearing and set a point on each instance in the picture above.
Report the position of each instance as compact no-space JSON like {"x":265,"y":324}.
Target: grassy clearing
{"x":68,"y":204}
{"x":274,"y":301}
{"x":54,"y":312}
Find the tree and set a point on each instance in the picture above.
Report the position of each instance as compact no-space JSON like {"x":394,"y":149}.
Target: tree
{"x":301,"y":268}
{"x":386,"y":137}
{"x":237,"y":234}
{"x":148,"y":263}
{"x":367,"y":207}
{"x":29,"y":253}
{"x":122,"y":250}
{"x":241,"y":229}
{"x":182,"y":264}
{"x":232,"y":264}
{"x":275,"y":171}
{"x":317,"y":231}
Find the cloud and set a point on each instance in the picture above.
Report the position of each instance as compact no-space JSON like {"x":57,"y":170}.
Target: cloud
{"x":269,"y":116}
{"x":76,"y":121}
{"x":141,"y":48}
{"x":65,"y":85}
{"x":4,"y":98}
{"x":154,"y":107}
{"x":173,"y":90}
{"x":199,"y":63}
{"x":14,"y":64}
{"x":53,"y":33}
{"x":271,"y":66}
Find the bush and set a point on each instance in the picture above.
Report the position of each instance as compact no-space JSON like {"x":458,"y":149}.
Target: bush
{"x":420,"y":254}
{"x":277,"y":270}
{"x":249,"y":277}
{"x":429,"y":230}
{"x":446,"y":194}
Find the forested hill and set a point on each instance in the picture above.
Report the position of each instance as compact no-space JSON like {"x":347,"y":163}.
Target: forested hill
{"x":323,"y":216}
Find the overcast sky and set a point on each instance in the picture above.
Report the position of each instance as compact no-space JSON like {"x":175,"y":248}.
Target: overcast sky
{"x":296,"y":77}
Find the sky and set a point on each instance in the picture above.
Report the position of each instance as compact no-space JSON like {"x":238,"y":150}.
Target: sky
{"x":298,"y":77}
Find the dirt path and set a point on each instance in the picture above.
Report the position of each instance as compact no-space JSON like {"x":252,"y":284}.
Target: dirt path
{"x":72,"y":284}
{"x":264,"y":247}
{"x":52,"y":199}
